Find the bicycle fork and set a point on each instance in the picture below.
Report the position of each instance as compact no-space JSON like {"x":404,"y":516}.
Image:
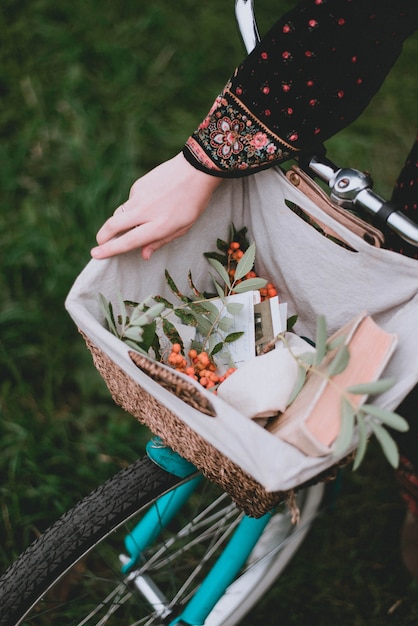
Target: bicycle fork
{"x":223,"y":572}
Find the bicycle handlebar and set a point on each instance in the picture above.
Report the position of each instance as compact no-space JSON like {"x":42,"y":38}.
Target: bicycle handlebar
{"x":349,"y":187}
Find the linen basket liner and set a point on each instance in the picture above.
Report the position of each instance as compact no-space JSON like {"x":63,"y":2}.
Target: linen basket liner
{"x":313,"y":275}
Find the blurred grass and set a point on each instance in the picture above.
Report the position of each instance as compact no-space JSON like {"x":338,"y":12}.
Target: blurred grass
{"x":93,"y":95}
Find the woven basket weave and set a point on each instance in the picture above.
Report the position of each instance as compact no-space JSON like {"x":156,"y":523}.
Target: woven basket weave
{"x":249,"y":495}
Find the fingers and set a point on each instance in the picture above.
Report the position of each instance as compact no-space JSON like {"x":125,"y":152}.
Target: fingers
{"x":132,"y":238}
{"x":121,"y":221}
{"x":121,"y":209}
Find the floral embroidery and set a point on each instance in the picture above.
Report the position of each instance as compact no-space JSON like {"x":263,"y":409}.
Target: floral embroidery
{"x":231,"y":138}
{"x":226,"y":138}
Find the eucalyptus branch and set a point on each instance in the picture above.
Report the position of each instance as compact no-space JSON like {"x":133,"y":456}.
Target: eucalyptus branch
{"x":351,"y":414}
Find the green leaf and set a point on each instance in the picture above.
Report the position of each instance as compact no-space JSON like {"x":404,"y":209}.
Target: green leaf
{"x":136,"y":346}
{"x":339,"y":362}
{"x":233,"y":337}
{"x":217,"y":348}
{"x":211,"y":314}
{"x":148,"y":336}
{"x":300,"y":381}
{"x":203,"y":324}
{"x":372,"y":388}
{"x":164,"y":301}
{"x":222,"y":258}
{"x":345,"y":436}
{"x":155,"y":345}
{"x":362,"y":442}
{"x":219,"y":290}
{"x":221,"y":271}
{"x":135,"y":333}
{"x":222,"y":245}
{"x":192,"y":285}
{"x":246,"y":263}
{"x":108,"y":313}
{"x":388,"y":445}
{"x":122,"y":309}
{"x":225,"y":323}
{"x":291,"y":321}
{"x":174,"y":288}
{"x":307,"y":358}
{"x":336,"y":343}
{"x":141,"y":318}
{"x":393,"y":420}
{"x":185,"y":316}
{"x":234,"y":307}
{"x":251,"y":284}
{"x":171,"y":332}
{"x":320,"y":339}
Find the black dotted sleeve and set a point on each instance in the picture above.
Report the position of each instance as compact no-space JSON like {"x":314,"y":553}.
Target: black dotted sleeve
{"x":310,"y":76}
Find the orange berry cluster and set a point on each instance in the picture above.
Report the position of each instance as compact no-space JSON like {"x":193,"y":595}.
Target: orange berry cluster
{"x":234,"y":255}
{"x":200,"y":366}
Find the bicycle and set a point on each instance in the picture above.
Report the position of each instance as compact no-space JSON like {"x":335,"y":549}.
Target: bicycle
{"x":159,"y":487}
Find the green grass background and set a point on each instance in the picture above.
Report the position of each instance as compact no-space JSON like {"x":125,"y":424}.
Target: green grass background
{"x":93,"y":94}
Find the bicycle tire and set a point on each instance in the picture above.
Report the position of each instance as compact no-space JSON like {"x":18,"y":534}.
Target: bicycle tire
{"x":25,"y":585}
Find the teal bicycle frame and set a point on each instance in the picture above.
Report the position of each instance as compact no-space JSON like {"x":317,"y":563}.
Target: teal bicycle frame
{"x":232,"y":559}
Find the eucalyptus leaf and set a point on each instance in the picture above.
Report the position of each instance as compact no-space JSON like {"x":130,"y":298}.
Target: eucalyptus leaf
{"x":203,"y":324}
{"x":155,"y":310}
{"x":142,"y":318}
{"x":300,"y":381}
{"x":339,"y":362}
{"x":135,"y":346}
{"x":336,"y":343}
{"x":251,"y":284}
{"x":345,"y":436}
{"x":234,"y":307}
{"x":320,"y":339}
{"x":219,"y":290}
{"x":372,"y":388}
{"x":387,"y":417}
{"x":246,"y":263}
{"x":388,"y":445}
{"x":137,"y":317}
{"x":134,"y":332}
{"x":221,"y":271}
{"x":362,"y":441}
{"x":225,"y":323}
{"x":209,"y":307}
{"x":307,"y":358}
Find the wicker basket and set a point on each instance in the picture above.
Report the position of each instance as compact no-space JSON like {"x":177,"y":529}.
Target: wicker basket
{"x":313,"y":275}
{"x":248,"y":494}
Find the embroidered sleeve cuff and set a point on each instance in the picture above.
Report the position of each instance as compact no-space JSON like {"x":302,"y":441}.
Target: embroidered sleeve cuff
{"x":231,"y":141}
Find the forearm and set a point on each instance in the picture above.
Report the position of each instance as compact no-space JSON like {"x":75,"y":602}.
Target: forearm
{"x":312,"y":75}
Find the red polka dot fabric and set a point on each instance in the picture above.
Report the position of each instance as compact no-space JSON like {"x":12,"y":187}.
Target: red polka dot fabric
{"x":312,"y":75}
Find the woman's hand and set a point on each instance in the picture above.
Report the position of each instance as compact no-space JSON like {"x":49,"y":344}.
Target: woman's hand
{"x":162,"y":206}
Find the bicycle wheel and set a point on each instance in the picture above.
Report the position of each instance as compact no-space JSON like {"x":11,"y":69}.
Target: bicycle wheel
{"x":72,"y":574}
